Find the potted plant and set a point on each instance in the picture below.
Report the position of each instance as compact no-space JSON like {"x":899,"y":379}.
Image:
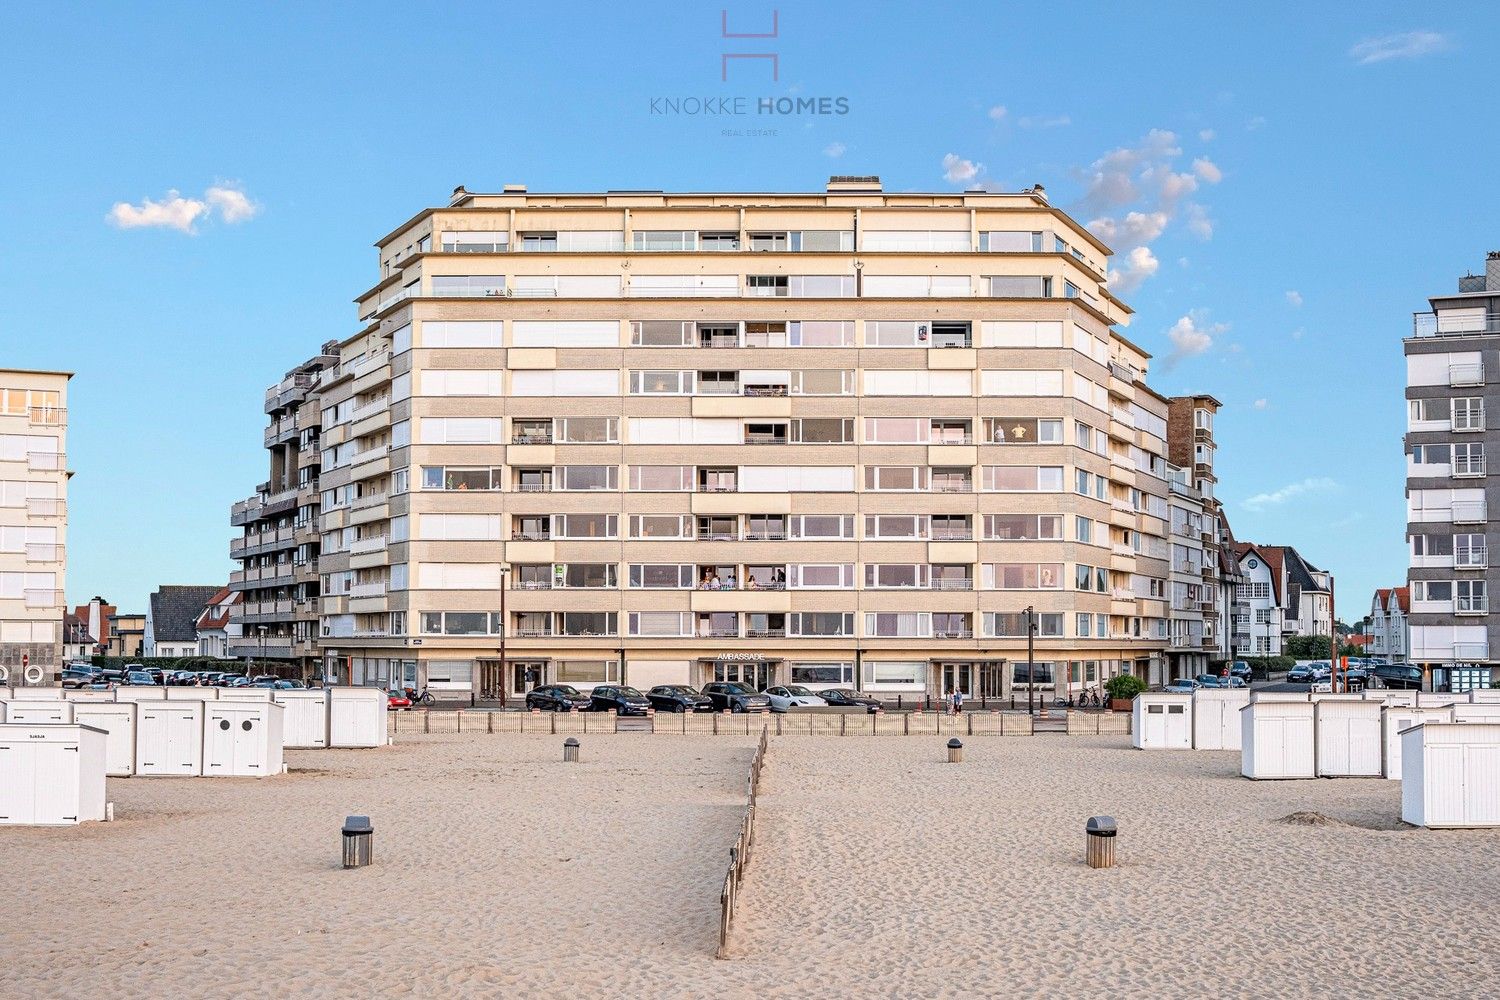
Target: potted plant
{"x":1122,"y":691}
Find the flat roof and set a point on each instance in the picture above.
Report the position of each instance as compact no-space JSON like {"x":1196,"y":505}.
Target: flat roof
{"x":37,"y":371}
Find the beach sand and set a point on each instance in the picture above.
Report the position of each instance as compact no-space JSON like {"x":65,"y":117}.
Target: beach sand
{"x":879,"y":871}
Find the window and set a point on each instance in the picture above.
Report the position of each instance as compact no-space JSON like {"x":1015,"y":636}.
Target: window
{"x":648,"y":526}
{"x":893,"y":675}
{"x":668,"y":576}
{"x":1022,"y":527}
{"x":814,"y":576}
{"x":664,"y":333}
{"x":821,"y":624}
{"x":1022,"y":478}
{"x":588,"y":430}
{"x":1012,"y":624}
{"x":895,"y":477}
{"x":476,"y":242}
{"x":899,"y":625}
{"x":586,"y":477}
{"x":661,"y":478}
{"x":1085,"y":625}
{"x":662,"y":383}
{"x":1471,"y":597}
{"x":1005,"y":241}
{"x":897,"y":430}
{"x":1468,"y":459}
{"x":460,"y":430}
{"x":1020,"y":287}
{"x":1025,"y":430}
{"x":1468,"y":413}
{"x":438,"y":477}
{"x":822,"y":526}
{"x":896,"y":526}
{"x":1085,"y":530}
{"x":898,"y":575}
{"x":468,"y":285}
{"x":822,"y":674}
{"x":585,"y":525}
{"x":1023,"y":576}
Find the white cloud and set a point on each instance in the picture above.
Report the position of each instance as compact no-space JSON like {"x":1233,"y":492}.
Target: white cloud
{"x":1139,"y":264}
{"x":172,"y":212}
{"x":1260,"y":404}
{"x":1263,"y":500}
{"x":835,"y":150}
{"x":1207,"y":170}
{"x":1256,"y":124}
{"x":1198,"y":222}
{"x":1135,"y":227}
{"x":233,"y":204}
{"x":957,"y":170}
{"x":1297,"y":333}
{"x":1191,"y":336}
{"x":1206,"y":135}
{"x":1403,"y":45}
{"x":1294,"y":298}
{"x":183,"y":214}
{"x":1044,"y":121}
{"x":998,"y":113}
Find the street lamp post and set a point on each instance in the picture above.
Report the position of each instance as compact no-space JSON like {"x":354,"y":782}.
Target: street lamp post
{"x":500,"y":680}
{"x":260,"y":630}
{"x":1030,"y":660}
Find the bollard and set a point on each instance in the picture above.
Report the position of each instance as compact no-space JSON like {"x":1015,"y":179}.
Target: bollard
{"x":358,"y":834}
{"x":1101,"y":841}
{"x":570,"y":751}
{"x":955,"y":751}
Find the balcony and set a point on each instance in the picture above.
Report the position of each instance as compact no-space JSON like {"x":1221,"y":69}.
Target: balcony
{"x":532,"y":437}
{"x":1471,"y":558}
{"x":270,"y":645}
{"x":1460,"y":375}
{"x":47,"y":416}
{"x":46,"y":461}
{"x":720,"y":632}
{"x":1463,"y":651}
{"x":532,"y":584}
{"x":952,"y":633}
{"x":952,"y":535}
{"x":370,"y":409}
{"x":1472,"y":468}
{"x":377,"y":589}
{"x":373,"y":543}
{"x":1469,"y":512}
{"x":370,"y":633}
{"x":765,"y":633}
{"x":368,"y":500}
{"x":1431,"y":324}
{"x":43,"y":552}
{"x":1471,"y":606}
{"x":951,"y":583}
{"x":45,"y":507}
{"x":765,"y":438}
{"x":42,"y":598}
{"x":370,"y":455}
{"x":953,"y":486}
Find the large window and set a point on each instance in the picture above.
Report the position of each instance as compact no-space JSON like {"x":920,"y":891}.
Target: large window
{"x":1022,"y":478}
{"x":1023,"y":576}
{"x":1012,"y":624}
{"x":1022,"y":527}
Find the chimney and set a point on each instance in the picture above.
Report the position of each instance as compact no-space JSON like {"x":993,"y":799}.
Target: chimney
{"x":459,"y":194}
{"x":1039,"y":191}
{"x":1492,"y":271}
{"x":1470,"y":283}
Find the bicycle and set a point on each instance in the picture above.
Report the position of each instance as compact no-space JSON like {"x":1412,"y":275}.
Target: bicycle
{"x":424,"y":698}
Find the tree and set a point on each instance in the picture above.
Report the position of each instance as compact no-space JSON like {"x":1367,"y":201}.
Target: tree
{"x":1315,"y":647}
{"x":1124,"y":687}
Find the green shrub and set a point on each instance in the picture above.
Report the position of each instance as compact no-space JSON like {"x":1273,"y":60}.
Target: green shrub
{"x":1124,"y":687}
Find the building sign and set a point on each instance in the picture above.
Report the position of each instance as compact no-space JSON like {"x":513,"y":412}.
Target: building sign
{"x":740,"y":656}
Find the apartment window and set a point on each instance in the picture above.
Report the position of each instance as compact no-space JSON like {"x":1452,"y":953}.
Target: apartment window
{"x":666,"y":241}
{"x":475,"y":242}
{"x":815,"y":526}
{"x":1470,"y":597}
{"x":586,"y":477}
{"x":769,"y":242}
{"x":663,"y":333}
{"x":825,"y":430}
{"x":897,"y":430}
{"x":586,"y":671}
{"x":1430,"y":409}
{"x":661,"y":478}
{"x":823,"y":674}
{"x":1091,"y":578}
{"x":1023,"y":576}
{"x":648,"y":526}
{"x":810,"y":333}
{"x":468,"y":285}
{"x":662,"y":383}
{"x":951,"y":528}
{"x":896,"y":526}
{"x":821,"y":624}
{"x":821,"y":382}
{"x":666,"y":576}
{"x":1005,"y":241}
{"x":1020,"y":287}
{"x":1432,"y":590}
{"x":1468,"y":459}
{"x":1022,"y":478}
{"x":1012,"y":624}
{"x":588,"y":623}
{"x":891,"y":333}
{"x":895,"y":477}
{"x":1025,"y":430}
{"x":815,"y":576}
{"x":589,"y":430}
{"x":1468,"y":414}
{"x":1084,"y":530}
{"x":539,"y":242}
{"x":774,"y":285}
{"x":1022,"y":527}
{"x":719,"y":242}
{"x":1469,"y":551}
{"x":898,"y":625}
{"x":895,"y":575}
{"x":440,"y":477}
{"x":585,"y":525}
{"x":1085,"y":624}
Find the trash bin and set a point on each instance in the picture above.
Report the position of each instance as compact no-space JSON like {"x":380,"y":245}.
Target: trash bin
{"x":570,"y":751}
{"x":358,"y":834}
{"x":1101,"y":832}
{"x":955,"y":750}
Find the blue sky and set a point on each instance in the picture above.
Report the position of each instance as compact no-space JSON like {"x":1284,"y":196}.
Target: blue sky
{"x":1299,"y":184}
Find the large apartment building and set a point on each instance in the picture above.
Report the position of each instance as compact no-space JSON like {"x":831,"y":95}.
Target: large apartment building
{"x":276,"y":619}
{"x":1452,"y":380}
{"x":846,"y":437}
{"x":33,"y":524}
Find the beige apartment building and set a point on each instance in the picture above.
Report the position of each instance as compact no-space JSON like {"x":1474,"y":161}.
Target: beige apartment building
{"x":33,"y":524}
{"x":835,"y":438}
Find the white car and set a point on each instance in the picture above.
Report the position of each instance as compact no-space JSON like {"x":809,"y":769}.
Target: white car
{"x":792,"y":696}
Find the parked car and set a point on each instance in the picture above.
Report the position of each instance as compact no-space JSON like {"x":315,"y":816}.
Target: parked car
{"x":139,"y":678}
{"x":1241,"y":669}
{"x":396,"y":698}
{"x":291,"y":684}
{"x":1233,"y":682}
{"x":1321,"y":671}
{"x":1182,"y":685}
{"x":619,"y":699}
{"x":1210,"y":681}
{"x":1402,"y":676}
{"x":156,"y":675}
{"x":736,"y":697}
{"x":112,"y":675}
{"x":77,"y":677}
{"x":788,"y":696}
{"x":1357,"y":677}
{"x":843,"y":698}
{"x":1300,"y":674}
{"x":557,"y":698}
{"x":679,"y":698}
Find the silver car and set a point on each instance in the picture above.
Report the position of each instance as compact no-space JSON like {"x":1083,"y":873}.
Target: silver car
{"x":788,"y":696}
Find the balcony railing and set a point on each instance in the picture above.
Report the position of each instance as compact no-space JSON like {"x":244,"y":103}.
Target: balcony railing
{"x":765,"y":390}
{"x":717,"y":632}
{"x":43,"y":552}
{"x":46,"y":461}
{"x":367,"y":590}
{"x":1466,"y":375}
{"x":1471,"y":650}
{"x":1469,"y":512}
{"x":764,"y":536}
{"x":532,"y":633}
{"x":1471,"y":468}
{"x":42,"y":598}
{"x":48,"y":416}
{"x":952,"y":535}
{"x":953,"y":633}
{"x":373,"y":543}
{"x":1471,"y":558}
{"x":532,"y":437}
{"x":370,"y":455}
{"x":368,"y":500}
{"x":1429,"y":324}
{"x":45,"y":507}
{"x":952,"y":583}
{"x":717,"y":488}
{"x":949,"y":486}
{"x":1471,"y":606}
{"x":532,"y":585}
{"x":765,"y":633}
{"x":766,"y":439}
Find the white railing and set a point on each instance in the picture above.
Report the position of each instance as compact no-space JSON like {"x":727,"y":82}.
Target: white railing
{"x":43,"y":598}
{"x":1466,"y":375}
{"x":1469,"y":468}
{"x":1433,"y":325}
{"x":370,"y":455}
{"x":44,"y":507}
{"x":1469,"y":512}
{"x":370,"y":408}
{"x":45,"y":552}
{"x":45,"y":460}
{"x":367,"y":590}
{"x":372,"y":544}
{"x":368,"y":500}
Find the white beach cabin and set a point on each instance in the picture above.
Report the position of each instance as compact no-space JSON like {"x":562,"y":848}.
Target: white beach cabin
{"x":305,"y":725}
{"x":1162,"y":720}
{"x":1450,"y":774}
{"x":1277,"y":740}
{"x":191,"y":693}
{"x":117,"y":721}
{"x":1484,"y":696}
{"x":169,"y":738}
{"x":31,"y":694}
{"x":57,"y":713}
{"x":1216,"y":718}
{"x":1437,"y":699}
{"x":76,"y":695}
{"x":51,"y":775}
{"x":1393,"y":720}
{"x":1279,"y":696}
{"x":242,"y":739}
{"x":1387,"y":696}
{"x":1347,"y":738}
{"x":356,"y":716}
{"x":244,"y":694}
{"x":1468,"y":712}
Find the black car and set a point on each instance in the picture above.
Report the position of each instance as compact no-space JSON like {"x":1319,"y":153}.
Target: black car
{"x":1302,"y":673}
{"x":678,"y":698}
{"x":843,"y":698}
{"x":78,"y":677}
{"x":139,"y":678}
{"x":112,"y":675}
{"x":557,"y":698}
{"x":1401,"y":676}
{"x":736,"y":697}
{"x":618,"y":699}
{"x":1240,"y":669}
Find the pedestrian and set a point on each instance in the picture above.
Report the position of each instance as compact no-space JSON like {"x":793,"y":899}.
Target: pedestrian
{"x":958,"y":701}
